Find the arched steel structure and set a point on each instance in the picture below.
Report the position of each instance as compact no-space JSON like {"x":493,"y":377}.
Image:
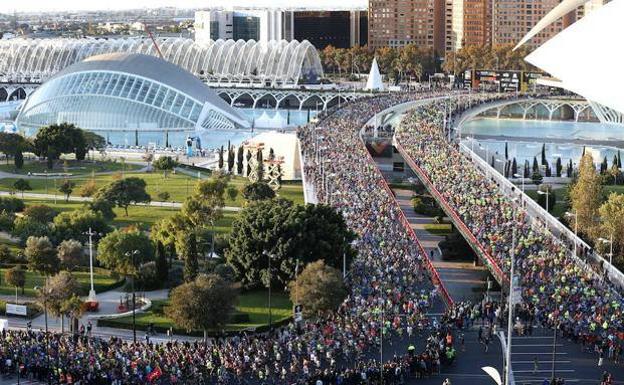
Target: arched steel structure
{"x":127,"y":92}
{"x":221,"y":62}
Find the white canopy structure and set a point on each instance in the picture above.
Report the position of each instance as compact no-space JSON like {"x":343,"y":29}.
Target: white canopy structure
{"x":584,"y":58}
{"x":374,"y":82}
{"x":221,"y":62}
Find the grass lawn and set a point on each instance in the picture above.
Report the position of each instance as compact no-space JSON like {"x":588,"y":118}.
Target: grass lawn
{"x":143,"y":216}
{"x":73,"y":167}
{"x":254,"y":304}
{"x":439,"y":228}
{"x":102,"y":281}
{"x":179,"y":186}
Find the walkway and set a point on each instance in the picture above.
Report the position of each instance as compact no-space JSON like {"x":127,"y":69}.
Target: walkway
{"x":459,"y":277}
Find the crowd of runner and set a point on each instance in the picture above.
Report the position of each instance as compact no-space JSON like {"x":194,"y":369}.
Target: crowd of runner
{"x":390,"y":285}
{"x":557,"y":289}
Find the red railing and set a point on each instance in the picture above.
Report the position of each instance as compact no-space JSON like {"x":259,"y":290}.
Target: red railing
{"x":435,"y":277}
{"x":459,"y":223}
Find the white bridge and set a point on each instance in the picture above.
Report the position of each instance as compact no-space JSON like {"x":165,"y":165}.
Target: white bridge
{"x":240,"y":97}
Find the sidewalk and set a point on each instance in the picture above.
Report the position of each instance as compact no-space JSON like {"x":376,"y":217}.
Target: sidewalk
{"x":459,"y":277}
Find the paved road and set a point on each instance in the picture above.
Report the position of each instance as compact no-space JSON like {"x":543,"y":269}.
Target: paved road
{"x":459,"y":277}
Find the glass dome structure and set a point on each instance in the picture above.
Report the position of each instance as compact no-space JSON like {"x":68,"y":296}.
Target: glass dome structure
{"x":127,"y":92}
{"x":277,"y":63}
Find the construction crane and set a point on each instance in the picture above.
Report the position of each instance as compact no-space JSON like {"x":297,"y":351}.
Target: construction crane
{"x":151,"y":36}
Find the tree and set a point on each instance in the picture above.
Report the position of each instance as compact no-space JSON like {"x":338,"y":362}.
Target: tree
{"x":75,"y":224}
{"x":163,"y":196}
{"x":71,"y":254}
{"x":40,"y":213}
{"x":318,"y":288}
{"x":93,"y":141}
{"x":604,"y":166}
{"x":26,"y":227}
{"x":16,"y":277}
{"x":186,"y":246}
{"x":514,"y":168}
{"x":19,"y":159}
{"x":259,"y":156}
{"x":164,"y":164}
{"x":544,"y":161}
{"x":67,"y":187}
{"x":41,"y":255}
{"x":203,"y":304}
{"x":11,"y":204}
{"x":248,"y":158}
{"x":206,"y":204}
{"x":89,"y":188}
{"x":570,"y":169}
{"x":115,"y":251}
{"x":221,"y":158}
{"x":73,"y":308}
{"x":559,"y":167}
{"x":103,"y":207}
{"x":239,"y":160}
{"x":612,"y":215}
{"x":12,"y":144}
{"x":258,"y":191}
{"x":232,"y":193}
{"x":535,"y":165}
{"x":57,"y":291}
{"x":230,"y":162}
{"x":125,"y":192}
{"x":506,"y":151}
{"x":526,"y":172}
{"x":586,"y":195}
{"x":169,"y":229}
{"x":54,"y":140}
{"x":537,"y":178}
{"x":162,"y":268}
{"x":288,"y":233}
{"x":22,"y":185}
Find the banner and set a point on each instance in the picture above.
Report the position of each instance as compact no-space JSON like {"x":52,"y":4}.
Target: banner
{"x":16,"y":309}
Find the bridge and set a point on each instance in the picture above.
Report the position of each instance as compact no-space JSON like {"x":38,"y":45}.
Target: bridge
{"x":319,"y":99}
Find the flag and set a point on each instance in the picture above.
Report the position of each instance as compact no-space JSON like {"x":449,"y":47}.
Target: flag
{"x":155,"y":374}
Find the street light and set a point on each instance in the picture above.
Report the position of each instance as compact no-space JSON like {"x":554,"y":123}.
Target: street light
{"x":45,"y":291}
{"x":575,"y":215}
{"x":610,"y":242}
{"x":269,"y":257}
{"x":547,"y":193}
{"x":133,"y":255}
{"x":91,"y":233}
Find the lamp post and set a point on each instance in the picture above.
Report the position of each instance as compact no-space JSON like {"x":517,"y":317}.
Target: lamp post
{"x":91,"y":233}
{"x":45,"y":291}
{"x":575,"y":215}
{"x":133,"y":255}
{"x":610,"y":242}
{"x":547,"y":193}
{"x":269,"y":257}
{"x":522,"y":177}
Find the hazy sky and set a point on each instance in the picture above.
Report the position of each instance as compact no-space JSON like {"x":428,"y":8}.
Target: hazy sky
{"x":8,"y":6}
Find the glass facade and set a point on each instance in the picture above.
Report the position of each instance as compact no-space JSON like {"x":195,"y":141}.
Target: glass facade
{"x":246,"y":28}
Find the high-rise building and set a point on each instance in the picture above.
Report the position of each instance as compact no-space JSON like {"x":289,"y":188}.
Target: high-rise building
{"x":512,"y":19}
{"x":468,"y":22}
{"x":259,"y":25}
{"x":396,"y":23}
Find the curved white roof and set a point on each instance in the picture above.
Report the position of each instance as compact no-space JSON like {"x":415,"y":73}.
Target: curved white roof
{"x":151,"y":67}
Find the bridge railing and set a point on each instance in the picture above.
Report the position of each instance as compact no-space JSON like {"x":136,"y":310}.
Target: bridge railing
{"x":485,"y":256}
{"x":541,"y":217}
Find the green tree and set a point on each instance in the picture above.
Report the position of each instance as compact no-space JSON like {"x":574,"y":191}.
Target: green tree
{"x":22,"y":185}
{"x":73,"y":308}
{"x":559,"y":167}
{"x":26,"y":227}
{"x":168,"y":229}
{"x":221,"y":158}
{"x":165,"y":164}
{"x":124,"y":192}
{"x":11,"y":144}
{"x":206,"y":204}
{"x":289,"y":233}
{"x":162,"y":268}
{"x":239,"y":160}
{"x":186,"y":246}
{"x":552,"y":197}
{"x":75,"y":224}
{"x":232,"y":193}
{"x":586,"y":194}
{"x":230,"y":161}
{"x":537,"y":178}
{"x":203,"y":304}
{"x":612,"y":225}
{"x":258,"y":191}
{"x":67,"y":187}
{"x":19,"y":159}
{"x":16,"y":277}
{"x":102,"y":206}
{"x":318,"y":288}
{"x":71,"y":254}
{"x":115,"y":251}
{"x":40,"y":213}
{"x":41,"y":255}
{"x":54,"y":140}
{"x":11,"y":204}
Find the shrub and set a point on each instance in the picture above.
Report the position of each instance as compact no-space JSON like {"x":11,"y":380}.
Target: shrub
{"x":11,"y":204}
{"x":147,"y":279}
{"x":40,"y":213}
{"x":6,"y":255}
{"x":88,"y":189}
{"x":6,"y":221}
{"x":425,"y":205}
{"x":26,"y":227}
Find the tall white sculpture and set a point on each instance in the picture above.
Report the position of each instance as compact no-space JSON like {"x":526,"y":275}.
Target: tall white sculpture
{"x":374,"y":82}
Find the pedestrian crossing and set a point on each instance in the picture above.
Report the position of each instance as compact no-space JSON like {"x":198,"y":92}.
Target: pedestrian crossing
{"x":535,"y":359}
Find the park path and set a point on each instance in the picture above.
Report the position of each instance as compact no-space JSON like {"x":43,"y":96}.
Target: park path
{"x":459,"y":277}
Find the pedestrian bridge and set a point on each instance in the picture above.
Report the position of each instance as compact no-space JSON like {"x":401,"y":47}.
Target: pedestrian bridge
{"x":308,"y":99}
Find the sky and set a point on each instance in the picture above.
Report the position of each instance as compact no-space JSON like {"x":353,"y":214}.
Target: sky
{"x":9,"y":6}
